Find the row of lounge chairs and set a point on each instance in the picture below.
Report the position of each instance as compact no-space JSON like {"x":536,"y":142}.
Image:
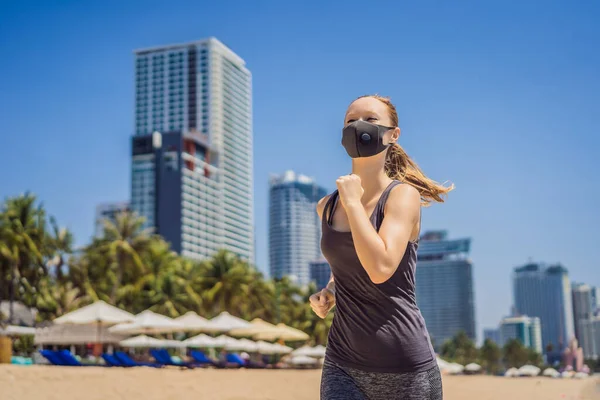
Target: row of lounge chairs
{"x":162,"y":357}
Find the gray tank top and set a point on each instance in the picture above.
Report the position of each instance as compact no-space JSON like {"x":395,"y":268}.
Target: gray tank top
{"x":376,"y":327}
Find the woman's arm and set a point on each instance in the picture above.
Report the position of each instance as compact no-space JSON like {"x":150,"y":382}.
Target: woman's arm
{"x":381,"y":253}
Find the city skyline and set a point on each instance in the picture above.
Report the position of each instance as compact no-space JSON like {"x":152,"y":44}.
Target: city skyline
{"x":491,"y":107}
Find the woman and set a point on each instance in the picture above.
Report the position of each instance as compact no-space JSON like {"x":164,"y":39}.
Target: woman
{"x":378,"y":346}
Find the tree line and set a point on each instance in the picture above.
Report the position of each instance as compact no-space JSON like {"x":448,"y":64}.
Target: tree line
{"x":135,"y":270}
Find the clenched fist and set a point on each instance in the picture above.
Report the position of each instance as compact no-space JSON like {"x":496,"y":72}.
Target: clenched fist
{"x":322,"y":302}
{"x":350,"y":189}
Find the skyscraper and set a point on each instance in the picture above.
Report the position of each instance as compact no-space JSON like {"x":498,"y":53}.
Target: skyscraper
{"x":546,"y":293}
{"x":526,"y":330}
{"x":108,"y":211}
{"x":294,"y":226}
{"x":596,"y":299}
{"x":192,"y":148}
{"x":584,"y":308}
{"x":445,"y":286}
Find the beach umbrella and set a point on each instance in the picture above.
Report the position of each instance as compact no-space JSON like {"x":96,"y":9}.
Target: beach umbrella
{"x":315,"y":352}
{"x":283,"y":332}
{"x":280,"y":349}
{"x":580,"y":375}
{"x":202,"y":341}
{"x":226,"y":322}
{"x":192,"y":322}
{"x":511,"y":373}
{"x":473,"y":368}
{"x":266,"y":347}
{"x":255,"y":327}
{"x":225,"y":341}
{"x":567,"y":374}
{"x":99,"y":314}
{"x":302,"y":360}
{"x":68,"y":334}
{"x":529,"y":370}
{"x":242,"y":345}
{"x":551,"y":372}
{"x":142,"y":341}
{"x":148,"y":322}
{"x":442,"y":364}
{"x":13,"y":330}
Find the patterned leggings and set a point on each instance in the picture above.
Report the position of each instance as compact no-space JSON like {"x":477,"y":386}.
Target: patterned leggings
{"x":343,"y":383}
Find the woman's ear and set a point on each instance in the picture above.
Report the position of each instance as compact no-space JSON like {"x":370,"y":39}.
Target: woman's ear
{"x":395,"y":135}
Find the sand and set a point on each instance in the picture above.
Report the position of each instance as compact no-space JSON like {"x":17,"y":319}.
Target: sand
{"x":95,"y":383}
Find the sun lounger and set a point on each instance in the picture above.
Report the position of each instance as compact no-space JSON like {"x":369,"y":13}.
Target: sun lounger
{"x":127,"y":361}
{"x":53,"y":357}
{"x":163,"y":357}
{"x":201,"y":359}
{"x":111,"y":360}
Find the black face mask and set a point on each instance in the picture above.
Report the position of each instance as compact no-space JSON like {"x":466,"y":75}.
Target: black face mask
{"x":364,"y":139}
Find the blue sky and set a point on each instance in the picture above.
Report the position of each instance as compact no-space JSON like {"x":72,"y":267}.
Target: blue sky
{"x":501,"y":98}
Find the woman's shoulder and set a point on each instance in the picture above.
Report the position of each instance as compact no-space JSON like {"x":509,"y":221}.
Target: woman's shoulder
{"x":321,"y":204}
{"x":404,"y":194}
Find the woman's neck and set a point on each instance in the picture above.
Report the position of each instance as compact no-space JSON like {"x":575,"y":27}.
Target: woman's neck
{"x":373,"y":178}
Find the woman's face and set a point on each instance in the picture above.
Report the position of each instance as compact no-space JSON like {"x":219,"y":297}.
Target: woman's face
{"x":374,"y":111}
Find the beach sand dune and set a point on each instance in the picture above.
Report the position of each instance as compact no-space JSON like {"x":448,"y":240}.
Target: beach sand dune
{"x":94,"y":383}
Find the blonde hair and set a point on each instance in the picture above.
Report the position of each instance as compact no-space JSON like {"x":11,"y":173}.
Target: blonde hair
{"x":399,"y":166}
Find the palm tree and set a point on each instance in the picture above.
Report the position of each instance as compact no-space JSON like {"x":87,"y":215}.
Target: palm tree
{"x":59,"y":245}
{"x":515,"y":354}
{"x":225,"y":283}
{"x":23,"y":235}
{"x":491,"y":355}
{"x":166,"y":288}
{"x":125,"y":240}
{"x":54,"y":300}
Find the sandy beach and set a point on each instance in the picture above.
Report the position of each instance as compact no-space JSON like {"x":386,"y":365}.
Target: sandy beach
{"x":95,"y":383}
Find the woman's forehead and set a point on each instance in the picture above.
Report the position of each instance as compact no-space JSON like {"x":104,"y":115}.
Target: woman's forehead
{"x":367,"y":105}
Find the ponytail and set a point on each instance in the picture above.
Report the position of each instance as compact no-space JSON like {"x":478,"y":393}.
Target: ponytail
{"x":399,"y":166}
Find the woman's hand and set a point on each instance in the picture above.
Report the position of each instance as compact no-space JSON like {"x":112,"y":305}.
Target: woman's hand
{"x":323,"y":301}
{"x":350,"y":190}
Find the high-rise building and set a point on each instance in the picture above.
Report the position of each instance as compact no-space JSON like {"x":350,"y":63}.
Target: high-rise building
{"x":527,"y":330}
{"x":444,"y":281}
{"x":108,"y":211}
{"x":546,"y":293}
{"x":492,"y":334}
{"x":583,"y":310}
{"x":596,"y":299}
{"x":589,"y":332}
{"x":320,"y":273}
{"x":294,"y":226}
{"x":192,"y":148}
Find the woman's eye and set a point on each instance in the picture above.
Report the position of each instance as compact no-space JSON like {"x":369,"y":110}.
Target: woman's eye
{"x":371,"y":119}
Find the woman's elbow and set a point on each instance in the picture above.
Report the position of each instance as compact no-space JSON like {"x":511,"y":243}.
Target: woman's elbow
{"x":381,"y":275}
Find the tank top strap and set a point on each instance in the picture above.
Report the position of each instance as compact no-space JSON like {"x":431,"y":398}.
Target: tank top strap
{"x":380,"y":206}
{"x":328,"y":209}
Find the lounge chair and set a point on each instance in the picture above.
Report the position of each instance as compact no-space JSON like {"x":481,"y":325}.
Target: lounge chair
{"x":53,"y":357}
{"x":163,"y":357}
{"x":70,"y":360}
{"x":111,"y":360}
{"x":235,"y":359}
{"x":127,"y":361}
{"x":201,"y":359}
